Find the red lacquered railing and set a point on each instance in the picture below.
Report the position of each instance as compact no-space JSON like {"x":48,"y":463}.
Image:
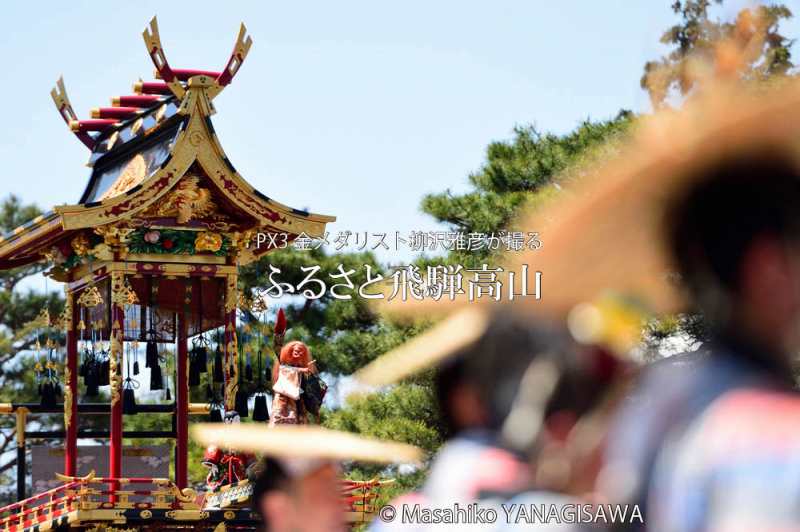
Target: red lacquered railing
{"x":40,"y":508}
{"x":89,"y":493}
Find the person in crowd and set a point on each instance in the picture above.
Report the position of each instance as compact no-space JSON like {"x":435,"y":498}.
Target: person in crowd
{"x":286,"y":490}
{"x":297,"y":484}
{"x":497,"y":373}
{"x":703,"y":444}
{"x":560,"y":421}
{"x":479,"y":359}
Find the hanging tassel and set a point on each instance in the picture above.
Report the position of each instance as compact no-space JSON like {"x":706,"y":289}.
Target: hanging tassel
{"x":219,"y":374}
{"x":215,"y":415}
{"x":136,"y":358}
{"x":43,"y":393}
{"x":48,"y":395}
{"x":86,"y":368}
{"x":168,"y":395}
{"x":248,"y":371}
{"x":194,"y":372}
{"x":129,"y":407}
{"x":156,"y":378}
{"x":151,"y":354}
{"x":267,"y":369}
{"x":92,"y":386}
{"x":103,"y":373}
{"x":202,"y":358}
{"x":260,"y":412}
{"x":241,"y":403}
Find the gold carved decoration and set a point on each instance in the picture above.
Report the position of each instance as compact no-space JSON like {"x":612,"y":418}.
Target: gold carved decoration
{"x":80,"y":245}
{"x":133,"y":174}
{"x":113,"y":365}
{"x":42,"y":320}
{"x":112,"y":235}
{"x":22,"y":419}
{"x":119,"y":289}
{"x":241,"y":246}
{"x":118,"y":298}
{"x":130,"y":294}
{"x":208,"y":241}
{"x":253,"y":304}
{"x":231,"y":293}
{"x":102,"y":252}
{"x":187,"y":201}
{"x":64,"y":321}
{"x":69,"y":310}
{"x":67,"y":398}
{"x":90,"y":298}
{"x":55,"y":256}
{"x":88,"y":478}
{"x":232,"y":368}
{"x":231,"y":351}
{"x":186,"y":495}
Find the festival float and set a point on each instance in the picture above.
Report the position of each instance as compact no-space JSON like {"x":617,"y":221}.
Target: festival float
{"x":149,"y":258}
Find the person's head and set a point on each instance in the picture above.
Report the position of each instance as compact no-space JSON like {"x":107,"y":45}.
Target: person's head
{"x":735,"y":238}
{"x":298,"y":496}
{"x":476,"y":386}
{"x":295,"y":353}
{"x":561,"y":415}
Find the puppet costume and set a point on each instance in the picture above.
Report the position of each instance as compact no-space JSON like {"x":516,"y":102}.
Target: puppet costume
{"x":287,"y":385}
{"x":287,"y":409}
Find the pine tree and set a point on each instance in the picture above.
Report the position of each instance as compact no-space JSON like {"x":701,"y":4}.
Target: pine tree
{"x":752,"y":40}
{"x":17,"y":309}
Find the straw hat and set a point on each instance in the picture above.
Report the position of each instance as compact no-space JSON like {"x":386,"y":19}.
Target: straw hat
{"x":607,"y":232}
{"x":304,"y":442}
{"x":604,"y":233}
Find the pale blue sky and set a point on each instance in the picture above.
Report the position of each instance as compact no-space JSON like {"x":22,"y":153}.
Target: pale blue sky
{"x":354,"y":109}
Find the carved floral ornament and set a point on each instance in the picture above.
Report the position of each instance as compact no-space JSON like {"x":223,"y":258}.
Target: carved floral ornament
{"x":208,"y":241}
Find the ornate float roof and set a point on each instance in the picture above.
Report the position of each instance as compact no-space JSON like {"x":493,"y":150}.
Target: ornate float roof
{"x":156,"y":161}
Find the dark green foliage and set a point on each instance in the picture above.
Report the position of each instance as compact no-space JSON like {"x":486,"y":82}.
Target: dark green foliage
{"x":12,"y":215}
{"x":17,"y":308}
{"x":519,"y":171}
{"x":406,"y":413}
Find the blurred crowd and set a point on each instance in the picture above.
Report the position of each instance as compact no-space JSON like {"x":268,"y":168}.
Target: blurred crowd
{"x":553,"y":428}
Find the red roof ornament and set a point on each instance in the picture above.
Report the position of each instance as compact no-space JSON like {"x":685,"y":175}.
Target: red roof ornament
{"x":149,"y":94}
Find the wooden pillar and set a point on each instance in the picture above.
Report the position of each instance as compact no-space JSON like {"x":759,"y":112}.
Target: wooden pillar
{"x":182,"y":398}
{"x":71,"y":389}
{"x":115,"y":378}
{"x":22,"y":466}
{"x":231,"y":347}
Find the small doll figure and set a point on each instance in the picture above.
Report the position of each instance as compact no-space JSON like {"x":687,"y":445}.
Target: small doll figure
{"x":287,"y":385}
{"x":226,"y":466}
